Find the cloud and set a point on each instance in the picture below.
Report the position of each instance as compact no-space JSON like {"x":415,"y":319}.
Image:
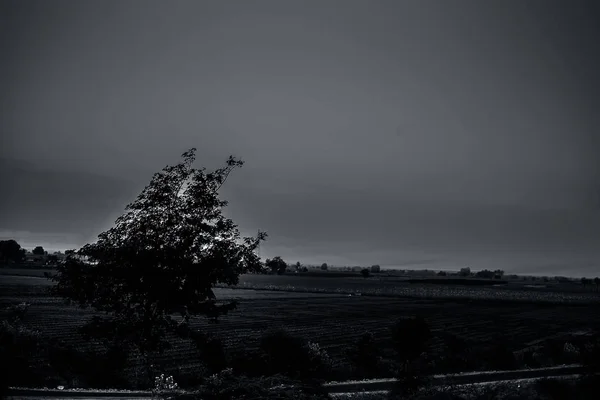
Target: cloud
{"x":67,"y":205}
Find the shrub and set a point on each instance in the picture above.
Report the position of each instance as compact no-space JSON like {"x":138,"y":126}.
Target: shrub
{"x":228,"y":385}
{"x":500,"y":357}
{"x":18,"y":346}
{"x":365,"y":357}
{"x":410,"y":337}
{"x":163,"y":383}
{"x":571,"y":353}
{"x":590,"y":353}
{"x":456,"y":352}
{"x":18,"y":311}
{"x":293,"y":356}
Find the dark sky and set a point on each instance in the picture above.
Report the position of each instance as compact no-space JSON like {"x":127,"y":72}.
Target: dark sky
{"x":433,"y":134}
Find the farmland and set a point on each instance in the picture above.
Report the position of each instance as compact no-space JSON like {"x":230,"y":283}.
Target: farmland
{"x":400,"y":287}
{"x":322,"y":311}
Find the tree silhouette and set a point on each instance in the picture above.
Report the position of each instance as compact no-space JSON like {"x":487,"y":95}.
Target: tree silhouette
{"x":163,"y":256}
{"x":277,"y":265}
{"x":38,"y":251}
{"x":10,"y":250}
{"x":597,"y":283}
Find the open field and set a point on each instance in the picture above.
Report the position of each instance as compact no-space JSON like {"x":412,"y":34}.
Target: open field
{"x":390,"y":284}
{"x":400,"y":287}
{"x":334,"y":321}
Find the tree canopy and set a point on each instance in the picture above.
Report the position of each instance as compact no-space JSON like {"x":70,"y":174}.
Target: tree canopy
{"x":39,"y":251}
{"x":276,"y":265}
{"x":163,"y":256}
{"x":11,"y":251}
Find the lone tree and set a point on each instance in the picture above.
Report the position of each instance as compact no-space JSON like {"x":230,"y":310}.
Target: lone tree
{"x":38,"y":251}
{"x":324,"y":266}
{"x":162,"y":257}
{"x":276,"y":265}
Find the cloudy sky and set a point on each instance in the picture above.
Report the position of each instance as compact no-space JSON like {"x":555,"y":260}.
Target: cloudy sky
{"x":426,"y":134}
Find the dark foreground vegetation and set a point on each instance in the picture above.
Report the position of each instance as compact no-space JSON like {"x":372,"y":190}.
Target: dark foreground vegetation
{"x":296,"y":367}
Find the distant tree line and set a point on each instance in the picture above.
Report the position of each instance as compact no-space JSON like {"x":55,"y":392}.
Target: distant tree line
{"x":11,"y":252}
{"x":589,"y":282}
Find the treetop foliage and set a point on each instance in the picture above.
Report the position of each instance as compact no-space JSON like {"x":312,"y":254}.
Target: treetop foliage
{"x":39,"y":250}
{"x":10,"y":250}
{"x":276,"y":265}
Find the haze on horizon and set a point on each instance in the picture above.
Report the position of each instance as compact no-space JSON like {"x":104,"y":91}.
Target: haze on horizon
{"x":416,"y":134}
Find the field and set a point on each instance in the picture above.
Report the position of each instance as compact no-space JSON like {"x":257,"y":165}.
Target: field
{"x":336,"y":320}
{"x":552,"y":293}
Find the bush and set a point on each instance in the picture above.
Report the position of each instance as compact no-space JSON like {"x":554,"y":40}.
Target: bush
{"x":365,"y":272}
{"x":365,"y":357}
{"x":228,"y":385}
{"x":500,"y":357}
{"x":18,"y":311}
{"x":29,"y":359}
{"x":164,"y":383}
{"x":17,"y":346}
{"x":293,"y":356}
{"x":410,"y":336}
{"x":590,"y":353}
{"x":456,"y":354}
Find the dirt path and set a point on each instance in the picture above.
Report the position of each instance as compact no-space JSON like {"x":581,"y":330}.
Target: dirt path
{"x":334,"y":387}
{"x":461,"y":379}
